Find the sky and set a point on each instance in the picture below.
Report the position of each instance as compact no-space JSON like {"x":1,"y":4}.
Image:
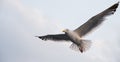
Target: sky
{"x":22,"y":20}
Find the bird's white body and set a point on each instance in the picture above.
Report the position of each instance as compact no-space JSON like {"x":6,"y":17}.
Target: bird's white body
{"x":74,"y":36}
{"x":78,"y":43}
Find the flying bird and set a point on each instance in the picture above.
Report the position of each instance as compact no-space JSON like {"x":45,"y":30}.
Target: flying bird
{"x":76,"y":36}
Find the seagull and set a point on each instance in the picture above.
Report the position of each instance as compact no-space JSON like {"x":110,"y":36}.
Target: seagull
{"x":76,"y":36}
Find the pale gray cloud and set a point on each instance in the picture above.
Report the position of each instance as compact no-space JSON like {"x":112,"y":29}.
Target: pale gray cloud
{"x":18,"y":26}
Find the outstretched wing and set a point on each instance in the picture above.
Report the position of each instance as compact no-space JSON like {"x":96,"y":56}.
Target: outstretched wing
{"x":95,"y":20}
{"x":57,"y":37}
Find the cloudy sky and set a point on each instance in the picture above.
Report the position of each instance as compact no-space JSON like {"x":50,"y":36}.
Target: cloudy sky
{"x":21,"y":20}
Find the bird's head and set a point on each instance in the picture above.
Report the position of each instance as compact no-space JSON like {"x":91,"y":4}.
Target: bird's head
{"x":65,"y":30}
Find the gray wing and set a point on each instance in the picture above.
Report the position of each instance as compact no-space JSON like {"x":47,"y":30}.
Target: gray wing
{"x":56,"y":37}
{"x":95,"y":20}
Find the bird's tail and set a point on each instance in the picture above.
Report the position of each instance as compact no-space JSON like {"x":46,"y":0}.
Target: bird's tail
{"x":84,"y":45}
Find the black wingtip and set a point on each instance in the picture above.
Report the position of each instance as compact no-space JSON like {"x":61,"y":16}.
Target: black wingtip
{"x":115,"y":5}
{"x":41,"y":37}
{"x":38,"y":37}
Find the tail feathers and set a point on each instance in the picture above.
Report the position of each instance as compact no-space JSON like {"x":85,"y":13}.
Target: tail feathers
{"x":84,"y":46}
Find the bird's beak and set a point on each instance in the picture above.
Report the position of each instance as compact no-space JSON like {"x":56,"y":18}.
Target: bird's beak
{"x":63,"y":30}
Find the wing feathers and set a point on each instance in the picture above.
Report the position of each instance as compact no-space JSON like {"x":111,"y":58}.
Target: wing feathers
{"x":95,"y":20}
{"x":57,"y":37}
